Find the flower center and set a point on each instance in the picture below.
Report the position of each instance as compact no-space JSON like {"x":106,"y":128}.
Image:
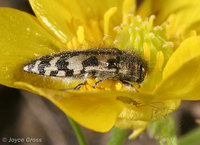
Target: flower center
{"x":144,"y":38}
{"x":140,"y":37}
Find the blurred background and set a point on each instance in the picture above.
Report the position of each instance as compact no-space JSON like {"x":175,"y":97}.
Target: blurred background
{"x":26,"y":115}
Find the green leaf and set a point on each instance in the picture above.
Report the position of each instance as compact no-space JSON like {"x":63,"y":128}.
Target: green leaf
{"x":191,"y":138}
{"x":164,"y":130}
{"x":117,"y":136}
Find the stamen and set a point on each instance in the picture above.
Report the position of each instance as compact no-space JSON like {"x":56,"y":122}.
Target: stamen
{"x":168,"y":44}
{"x":117,"y":28}
{"x":152,"y":35}
{"x":106,"y":37}
{"x":147,"y":52}
{"x":137,"y":43}
{"x":80,"y":34}
{"x":115,"y":42}
{"x":96,"y":30}
{"x":74,"y":43}
{"x":69,"y":45}
{"x":151,"y":19}
{"x":137,"y":28}
{"x":130,"y":30}
{"x":129,"y":6}
{"x":172,"y":32}
{"x":158,"y":28}
{"x":139,"y":18}
{"x":159,"y":61}
{"x":107,"y":17}
{"x":123,"y":24}
{"x":136,"y":40}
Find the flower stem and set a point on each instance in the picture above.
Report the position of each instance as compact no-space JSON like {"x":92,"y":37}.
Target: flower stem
{"x":78,"y":132}
{"x":117,"y":137}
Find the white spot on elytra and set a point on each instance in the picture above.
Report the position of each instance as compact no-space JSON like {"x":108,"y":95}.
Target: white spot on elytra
{"x":53,"y":61}
{"x":52,"y":66}
{"x":25,"y":68}
{"x":61,"y":73}
{"x":47,"y":72}
{"x":35,"y":68}
{"x":75,"y":64}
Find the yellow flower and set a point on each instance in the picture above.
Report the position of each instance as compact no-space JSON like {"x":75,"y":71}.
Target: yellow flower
{"x":164,"y":33}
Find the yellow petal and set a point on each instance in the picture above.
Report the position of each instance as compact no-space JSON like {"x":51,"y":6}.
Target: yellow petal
{"x":138,"y":117}
{"x":181,"y":79}
{"x":92,"y":112}
{"x":188,"y":49}
{"x":63,"y":17}
{"x":22,"y":40}
{"x":96,"y":111}
{"x":53,"y":15}
{"x":186,"y":12}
